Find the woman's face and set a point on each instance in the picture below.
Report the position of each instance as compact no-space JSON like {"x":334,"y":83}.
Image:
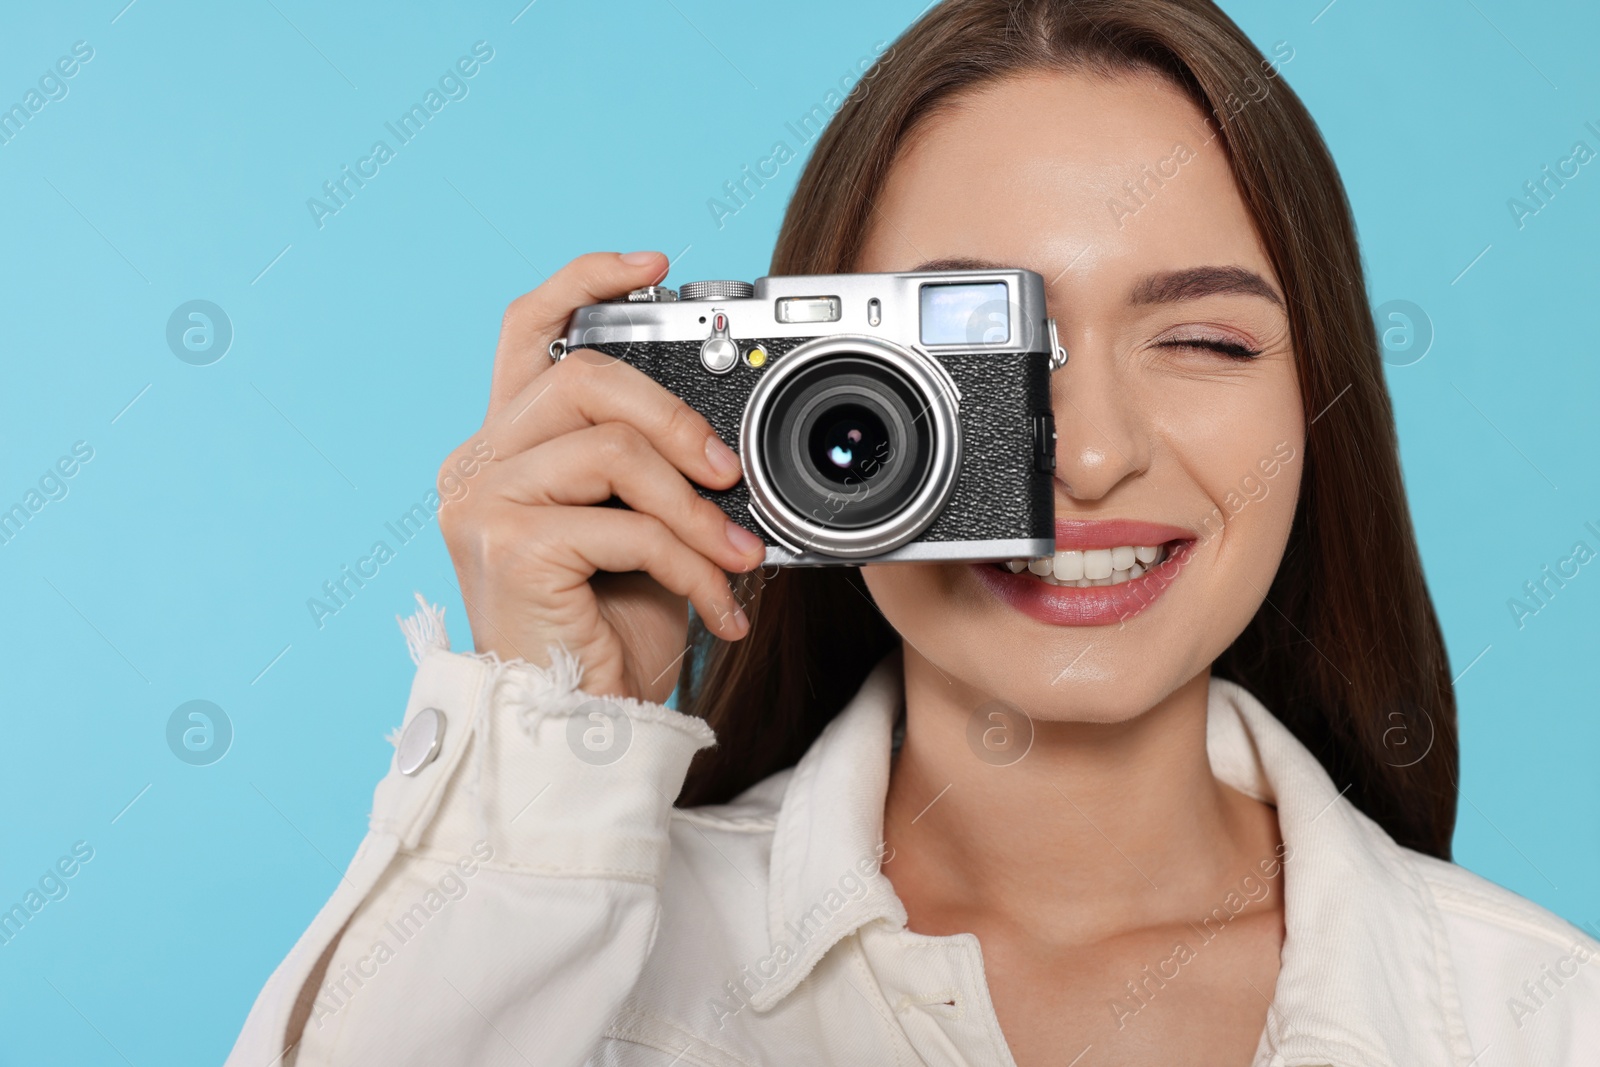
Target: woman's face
{"x":1178,"y":414}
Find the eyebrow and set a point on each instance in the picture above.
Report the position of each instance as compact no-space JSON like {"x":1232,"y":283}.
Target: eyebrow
{"x":1194,"y":282}
{"x":959,"y":263}
{"x":1166,"y":287}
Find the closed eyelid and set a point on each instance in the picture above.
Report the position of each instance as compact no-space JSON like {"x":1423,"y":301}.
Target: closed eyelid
{"x":1226,"y":346}
{"x":1210,"y":331}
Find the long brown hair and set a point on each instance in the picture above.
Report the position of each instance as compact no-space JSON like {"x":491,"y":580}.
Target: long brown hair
{"x":1347,"y":650}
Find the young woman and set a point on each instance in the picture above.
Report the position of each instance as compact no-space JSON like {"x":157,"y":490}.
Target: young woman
{"x":1182,"y":792}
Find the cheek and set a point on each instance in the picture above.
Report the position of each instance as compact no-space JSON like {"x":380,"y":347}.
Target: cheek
{"x":904,"y":593}
{"x":926,"y":604}
{"x":1265,"y":538}
{"x":1226,"y":441}
{"x":977,"y":646}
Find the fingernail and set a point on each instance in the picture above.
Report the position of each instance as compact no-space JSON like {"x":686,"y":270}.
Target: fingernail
{"x":639,"y":259}
{"x":743,"y":541}
{"x":720,"y":456}
{"x":740,"y":623}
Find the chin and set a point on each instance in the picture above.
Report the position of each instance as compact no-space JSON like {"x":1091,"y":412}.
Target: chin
{"x":1109,"y":683}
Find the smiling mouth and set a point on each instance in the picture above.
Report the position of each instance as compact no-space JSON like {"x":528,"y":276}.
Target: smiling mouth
{"x":1086,"y":568}
{"x":1103,"y":572}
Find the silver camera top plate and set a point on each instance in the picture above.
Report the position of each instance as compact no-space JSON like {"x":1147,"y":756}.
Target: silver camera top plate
{"x":890,"y":306}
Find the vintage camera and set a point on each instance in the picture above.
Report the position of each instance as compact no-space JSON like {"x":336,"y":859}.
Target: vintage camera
{"x":878,"y":417}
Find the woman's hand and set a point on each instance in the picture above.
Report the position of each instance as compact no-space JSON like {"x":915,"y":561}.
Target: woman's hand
{"x":538,"y":564}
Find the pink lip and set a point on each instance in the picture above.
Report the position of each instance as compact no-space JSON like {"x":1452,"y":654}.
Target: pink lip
{"x":1109,"y":533}
{"x":1098,"y":605}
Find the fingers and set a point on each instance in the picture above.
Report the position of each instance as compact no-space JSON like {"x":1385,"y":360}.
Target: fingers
{"x":591,"y":465}
{"x":583,"y":392}
{"x":609,"y":539}
{"x":537,"y":317}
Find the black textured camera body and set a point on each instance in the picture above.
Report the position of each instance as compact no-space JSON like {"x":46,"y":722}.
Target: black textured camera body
{"x":1003,"y":491}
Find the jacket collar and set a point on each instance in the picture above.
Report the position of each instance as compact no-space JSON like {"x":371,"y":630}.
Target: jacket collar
{"x":1364,"y":971}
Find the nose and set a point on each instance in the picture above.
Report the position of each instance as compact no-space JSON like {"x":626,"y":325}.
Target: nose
{"x":1102,"y":439}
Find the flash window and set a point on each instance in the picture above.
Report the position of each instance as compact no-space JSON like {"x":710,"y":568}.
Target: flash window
{"x":808,"y":309}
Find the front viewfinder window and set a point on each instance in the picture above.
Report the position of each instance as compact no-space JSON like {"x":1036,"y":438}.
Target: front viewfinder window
{"x":965,"y":313}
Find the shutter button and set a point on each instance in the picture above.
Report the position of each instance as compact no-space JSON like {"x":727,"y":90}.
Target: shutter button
{"x":719,"y":353}
{"x":421,"y":741}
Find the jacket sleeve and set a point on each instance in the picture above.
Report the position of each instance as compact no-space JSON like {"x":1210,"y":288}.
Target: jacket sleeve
{"x":506,"y":896}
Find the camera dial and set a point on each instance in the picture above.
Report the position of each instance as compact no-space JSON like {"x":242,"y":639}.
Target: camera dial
{"x":716,"y":290}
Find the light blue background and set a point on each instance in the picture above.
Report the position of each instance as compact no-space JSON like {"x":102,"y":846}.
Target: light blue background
{"x":179,"y":565}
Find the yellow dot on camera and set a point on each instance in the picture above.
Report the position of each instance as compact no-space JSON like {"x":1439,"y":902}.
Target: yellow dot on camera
{"x":756,"y":357}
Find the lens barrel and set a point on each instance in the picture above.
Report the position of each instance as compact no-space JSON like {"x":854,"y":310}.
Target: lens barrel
{"x":845,"y":442}
{"x":851,"y":446}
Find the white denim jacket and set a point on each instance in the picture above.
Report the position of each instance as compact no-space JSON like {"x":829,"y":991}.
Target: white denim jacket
{"x":521,"y":901}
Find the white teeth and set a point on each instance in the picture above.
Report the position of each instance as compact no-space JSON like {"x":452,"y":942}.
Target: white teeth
{"x":1092,"y":567}
{"x":1068,"y":566}
{"x":1097,"y":563}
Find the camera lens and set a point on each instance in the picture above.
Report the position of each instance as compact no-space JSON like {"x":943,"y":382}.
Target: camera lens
{"x":851,"y":446}
{"x":847,"y":443}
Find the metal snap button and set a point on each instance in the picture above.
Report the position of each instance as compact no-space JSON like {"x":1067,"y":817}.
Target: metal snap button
{"x":421,"y":741}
